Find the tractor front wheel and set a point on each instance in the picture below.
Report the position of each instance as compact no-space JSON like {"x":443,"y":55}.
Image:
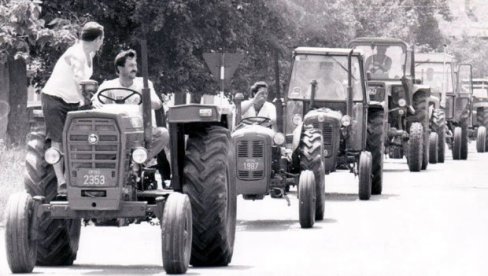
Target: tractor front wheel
{"x":20,"y":245}
{"x":375,"y":145}
{"x":209,"y":181}
{"x":415,"y":148}
{"x":365,"y":164}
{"x":306,"y":198}
{"x":433,"y":144}
{"x":176,"y":233}
{"x":311,"y":149}
{"x":481,"y":139}
{"x":456,"y":144}
{"x":464,"y":141}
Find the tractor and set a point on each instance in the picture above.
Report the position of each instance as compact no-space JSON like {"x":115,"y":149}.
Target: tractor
{"x":480,"y":113}
{"x":105,"y":161}
{"x":451,"y":104}
{"x":389,"y":67}
{"x":327,"y":92}
{"x":265,"y":166}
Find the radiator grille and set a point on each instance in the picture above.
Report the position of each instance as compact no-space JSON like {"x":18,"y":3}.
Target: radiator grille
{"x":103,"y":154}
{"x":250,"y":150}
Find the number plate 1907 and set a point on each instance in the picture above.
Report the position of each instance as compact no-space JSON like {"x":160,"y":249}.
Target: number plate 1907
{"x":94,"y":177}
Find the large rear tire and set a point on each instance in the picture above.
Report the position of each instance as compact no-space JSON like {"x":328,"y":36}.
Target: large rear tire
{"x":374,"y":144}
{"x":176,"y":233}
{"x":209,"y":181}
{"x":456,"y":143}
{"x":365,"y":164}
{"x":415,"y":148}
{"x":439,"y":126}
{"x":433,"y":143}
{"x":481,"y":139}
{"x":20,"y":245}
{"x":58,"y":239}
{"x":307,"y":199}
{"x":311,"y":149}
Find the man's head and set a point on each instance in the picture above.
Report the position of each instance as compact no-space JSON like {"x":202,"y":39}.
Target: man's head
{"x":126,"y":64}
{"x":92,"y":33}
{"x":259,"y":91}
{"x":381,"y":50}
{"x":326,"y":70}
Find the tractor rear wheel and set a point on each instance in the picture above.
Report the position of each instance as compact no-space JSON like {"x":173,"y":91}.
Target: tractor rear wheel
{"x":306,"y":199}
{"x":456,"y":144}
{"x":433,"y":143}
{"x":439,"y":126}
{"x":415,"y":148}
{"x":311,"y":149}
{"x":209,"y":181}
{"x":481,"y":139}
{"x":365,"y":164}
{"x":20,"y":245}
{"x":374,"y":144}
{"x":176,"y":233}
{"x":58,"y":239}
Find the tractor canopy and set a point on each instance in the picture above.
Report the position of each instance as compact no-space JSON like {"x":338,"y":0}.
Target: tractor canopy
{"x":436,"y":71}
{"x":384,"y":58}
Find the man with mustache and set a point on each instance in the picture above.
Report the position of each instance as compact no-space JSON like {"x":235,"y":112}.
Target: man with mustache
{"x":126,"y":68}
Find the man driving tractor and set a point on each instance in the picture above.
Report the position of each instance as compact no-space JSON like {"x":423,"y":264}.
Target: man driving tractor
{"x":257,"y":106}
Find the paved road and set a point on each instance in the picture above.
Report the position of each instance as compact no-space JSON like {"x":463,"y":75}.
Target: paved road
{"x":428,"y":223}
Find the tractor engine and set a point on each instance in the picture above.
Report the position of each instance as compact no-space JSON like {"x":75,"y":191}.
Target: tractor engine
{"x":98,"y":148}
{"x":329,"y":122}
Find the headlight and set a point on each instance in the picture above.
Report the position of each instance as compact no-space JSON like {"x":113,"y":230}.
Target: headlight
{"x":52,"y":156}
{"x":346,"y":121}
{"x":139,"y":155}
{"x":402,"y":102}
{"x":279,"y":138}
{"x":297,"y":119}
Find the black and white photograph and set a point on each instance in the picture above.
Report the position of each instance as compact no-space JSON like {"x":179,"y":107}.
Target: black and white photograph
{"x":244,"y":137}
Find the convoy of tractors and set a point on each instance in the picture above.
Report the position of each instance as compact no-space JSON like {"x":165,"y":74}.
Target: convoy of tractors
{"x":344,"y":109}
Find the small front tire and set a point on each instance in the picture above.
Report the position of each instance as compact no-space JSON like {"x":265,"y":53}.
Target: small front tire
{"x":307,"y":199}
{"x":365,"y":164}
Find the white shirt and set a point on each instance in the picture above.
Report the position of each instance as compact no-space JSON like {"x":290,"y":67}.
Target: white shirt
{"x":70,"y":69}
{"x":268,"y":110}
{"x":137,"y":86}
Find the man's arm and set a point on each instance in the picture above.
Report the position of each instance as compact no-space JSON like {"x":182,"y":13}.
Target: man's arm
{"x":155,"y":101}
{"x":95,"y":102}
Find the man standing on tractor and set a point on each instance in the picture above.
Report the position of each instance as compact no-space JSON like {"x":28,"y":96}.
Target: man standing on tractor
{"x":62,"y":92}
{"x":126,"y":68}
{"x":379,"y":63}
{"x":257,"y":106}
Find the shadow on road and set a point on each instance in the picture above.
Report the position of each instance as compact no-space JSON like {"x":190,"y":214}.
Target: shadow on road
{"x":122,"y":269}
{"x":390,"y":170}
{"x":276,"y":225}
{"x":354,"y":197}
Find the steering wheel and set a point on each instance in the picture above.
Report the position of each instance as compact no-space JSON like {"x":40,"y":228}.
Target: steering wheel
{"x":103,"y":98}
{"x":264,"y":121}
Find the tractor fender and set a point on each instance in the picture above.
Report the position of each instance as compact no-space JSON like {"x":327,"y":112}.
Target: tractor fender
{"x":297,"y":135}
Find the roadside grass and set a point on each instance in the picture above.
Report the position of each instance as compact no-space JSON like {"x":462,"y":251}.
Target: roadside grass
{"x":11,"y":175}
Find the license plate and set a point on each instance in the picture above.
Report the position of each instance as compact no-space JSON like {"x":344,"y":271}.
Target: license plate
{"x":372,"y":91}
{"x":94,"y":177}
{"x":250,"y":165}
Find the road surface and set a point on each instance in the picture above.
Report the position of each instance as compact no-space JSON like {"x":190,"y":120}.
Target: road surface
{"x":428,"y":223}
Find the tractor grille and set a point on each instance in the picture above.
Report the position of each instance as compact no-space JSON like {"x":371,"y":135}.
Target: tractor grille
{"x":250,"y":158}
{"x":100,"y":152}
{"x":328,"y":136}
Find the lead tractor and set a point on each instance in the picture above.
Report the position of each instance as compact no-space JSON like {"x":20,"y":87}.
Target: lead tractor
{"x":105,"y":157}
{"x":389,"y":66}
{"x":480,"y":113}
{"x":327,"y":92}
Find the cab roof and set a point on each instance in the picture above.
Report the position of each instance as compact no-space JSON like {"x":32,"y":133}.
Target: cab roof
{"x":379,"y":40}
{"x":433,"y":58}
{"x":326,"y":51}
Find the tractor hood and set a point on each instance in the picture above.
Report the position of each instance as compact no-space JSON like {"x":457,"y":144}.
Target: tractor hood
{"x":257,"y":129}
{"x":323,"y":113}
